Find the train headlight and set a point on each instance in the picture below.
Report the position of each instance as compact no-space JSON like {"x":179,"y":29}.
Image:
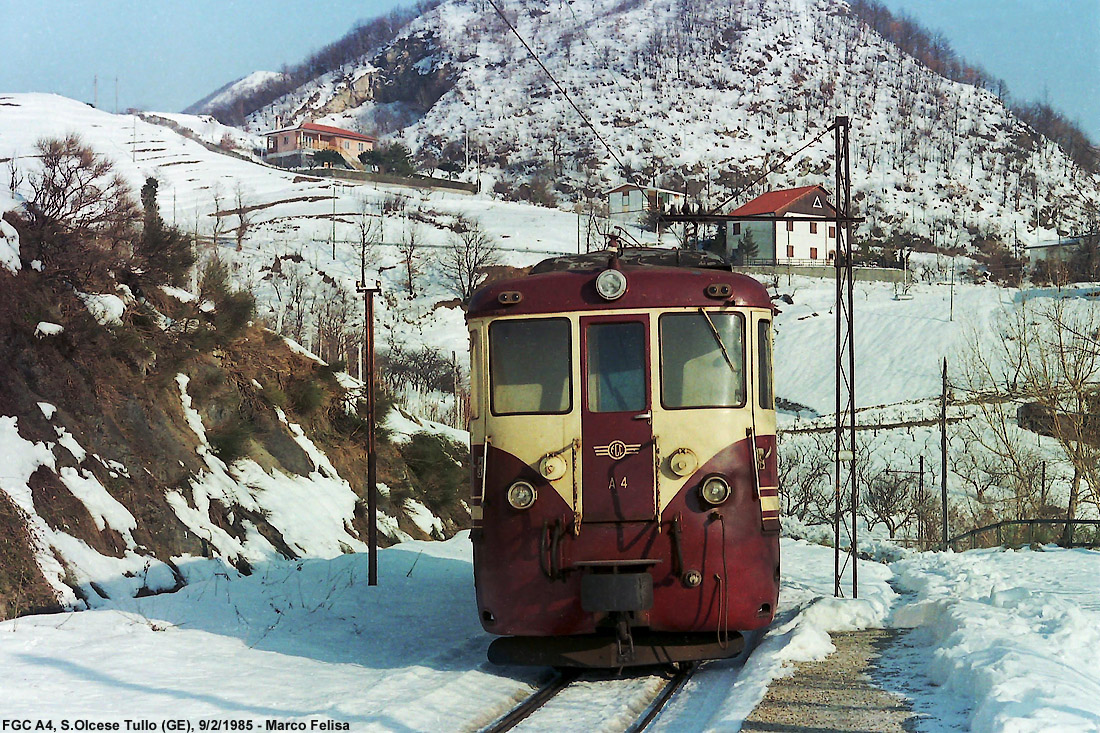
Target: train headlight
{"x":521,"y":495}
{"x":611,"y":284}
{"x":714,"y":490}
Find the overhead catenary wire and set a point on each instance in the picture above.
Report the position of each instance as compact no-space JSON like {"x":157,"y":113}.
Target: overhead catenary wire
{"x":565,"y":94}
{"x":782,"y":161}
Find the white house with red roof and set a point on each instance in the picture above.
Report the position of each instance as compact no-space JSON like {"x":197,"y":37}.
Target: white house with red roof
{"x":802,"y":234}
{"x":291,"y":146}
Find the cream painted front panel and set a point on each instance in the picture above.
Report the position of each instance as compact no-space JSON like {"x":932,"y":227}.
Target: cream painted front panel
{"x":704,"y":431}
{"x":530,"y":438}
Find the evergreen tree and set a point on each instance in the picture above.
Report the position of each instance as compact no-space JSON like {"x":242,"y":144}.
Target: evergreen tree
{"x":394,"y":158}
{"x":165,"y":252}
{"x":748,"y":247}
{"x":329,"y":157}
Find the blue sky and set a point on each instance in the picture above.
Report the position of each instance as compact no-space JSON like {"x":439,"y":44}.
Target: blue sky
{"x":1045,"y":50}
{"x":166,"y":54}
{"x":170,"y":53}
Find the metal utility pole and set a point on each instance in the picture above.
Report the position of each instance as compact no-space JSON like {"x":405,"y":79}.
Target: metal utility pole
{"x":923,"y":504}
{"x":454,"y":375}
{"x":943,"y":454}
{"x":372,"y":485}
{"x":333,"y":236}
{"x":845,"y":455}
{"x":951,"y":312}
{"x":845,"y":424}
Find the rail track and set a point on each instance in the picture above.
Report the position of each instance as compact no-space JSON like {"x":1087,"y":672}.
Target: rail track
{"x":565,"y":678}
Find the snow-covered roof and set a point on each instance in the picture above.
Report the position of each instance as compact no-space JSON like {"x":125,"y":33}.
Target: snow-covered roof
{"x":1064,"y":242}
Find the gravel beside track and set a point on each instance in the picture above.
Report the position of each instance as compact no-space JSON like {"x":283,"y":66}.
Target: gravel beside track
{"x":835,"y":694}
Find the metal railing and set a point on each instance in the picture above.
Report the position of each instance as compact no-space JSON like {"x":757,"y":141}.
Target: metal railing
{"x":1009,"y":529}
{"x":785,"y":262}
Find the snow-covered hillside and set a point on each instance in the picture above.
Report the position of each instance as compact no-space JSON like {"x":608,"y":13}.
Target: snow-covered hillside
{"x":210,"y":131}
{"x":83,"y":576}
{"x":231,"y":91}
{"x":293,"y":216}
{"x":705,"y":96}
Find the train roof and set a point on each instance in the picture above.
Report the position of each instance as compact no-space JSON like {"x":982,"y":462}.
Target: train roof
{"x":634,"y":256}
{"x":656,"y":278}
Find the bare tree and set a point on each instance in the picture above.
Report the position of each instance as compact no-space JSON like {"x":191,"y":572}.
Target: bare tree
{"x":15,"y":176}
{"x":335,"y":317}
{"x":368,"y":228}
{"x":411,"y":256}
{"x":1063,"y":377}
{"x":77,"y":192}
{"x":293,"y":298}
{"x":244,"y":216}
{"x":81,"y":216}
{"x":1049,"y":359}
{"x":217,"y":227}
{"x":471,"y":249}
{"x":805,"y":475}
{"x":887,"y":498}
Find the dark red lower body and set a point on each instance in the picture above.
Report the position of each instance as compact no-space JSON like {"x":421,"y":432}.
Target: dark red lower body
{"x":712,"y":569}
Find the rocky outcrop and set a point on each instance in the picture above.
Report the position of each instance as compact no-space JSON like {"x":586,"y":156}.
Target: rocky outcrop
{"x":413,"y":71}
{"x":137,"y":456}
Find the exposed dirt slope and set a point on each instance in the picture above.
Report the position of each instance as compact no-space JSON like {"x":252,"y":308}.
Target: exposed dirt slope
{"x":107,"y":402}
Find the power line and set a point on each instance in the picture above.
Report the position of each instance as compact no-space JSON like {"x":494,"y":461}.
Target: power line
{"x":564,"y":93}
{"x":771,"y":170}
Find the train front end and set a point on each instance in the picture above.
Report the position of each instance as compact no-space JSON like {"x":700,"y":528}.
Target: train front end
{"x":624,"y":485}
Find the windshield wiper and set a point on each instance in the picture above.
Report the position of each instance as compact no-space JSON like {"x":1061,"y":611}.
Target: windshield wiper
{"x":718,"y":339}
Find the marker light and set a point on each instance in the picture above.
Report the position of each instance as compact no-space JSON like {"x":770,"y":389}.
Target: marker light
{"x":714,"y":490}
{"x":611,"y":284}
{"x":521,"y":495}
{"x":683,"y":462}
{"x":552,"y":468}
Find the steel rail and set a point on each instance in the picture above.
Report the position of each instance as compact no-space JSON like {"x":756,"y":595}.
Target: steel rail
{"x":540,"y":697}
{"x":675,"y":683}
{"x":567,"y":677}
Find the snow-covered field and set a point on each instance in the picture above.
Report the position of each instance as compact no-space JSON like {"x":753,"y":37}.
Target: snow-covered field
{"x":1000,"y":640}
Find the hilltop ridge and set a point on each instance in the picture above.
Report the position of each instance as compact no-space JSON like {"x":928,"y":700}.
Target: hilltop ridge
{"x":703,"y":97}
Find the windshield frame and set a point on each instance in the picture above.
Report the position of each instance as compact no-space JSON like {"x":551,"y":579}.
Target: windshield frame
{"x":570,"y":359}
{"x":739,"y":361}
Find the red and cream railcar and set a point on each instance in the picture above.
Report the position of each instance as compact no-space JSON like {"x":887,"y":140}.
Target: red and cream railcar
{"x":625,"y":495}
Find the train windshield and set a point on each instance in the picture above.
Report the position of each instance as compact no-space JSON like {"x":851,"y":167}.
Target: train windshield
{"x":702,"y":360}
{"x":616,"y":367}
{"x":529,"y":367}
{"x":764,"y":364}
